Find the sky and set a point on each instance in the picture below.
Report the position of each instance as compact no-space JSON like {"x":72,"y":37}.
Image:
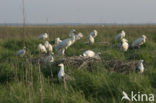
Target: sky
{"x":78,"y":11}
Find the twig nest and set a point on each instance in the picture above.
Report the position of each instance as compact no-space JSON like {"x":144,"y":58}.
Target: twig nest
{"x":122,"y":66}
{"x":78,"y":61}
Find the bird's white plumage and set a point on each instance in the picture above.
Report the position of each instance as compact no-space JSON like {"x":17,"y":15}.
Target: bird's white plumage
{"x":120,"y":36}
{"x":94,"y":33}
{"x":42,"y":48}
{"x":66,"y":43}
{"x":124,"y":45}
{"x":89,"y":53}
{"x":43,"y":36}
{"x":140,"y":66}
{"x":57,"y":41}
{"x":140,"y":41}
{"x":21,"y":52}
{"x":78,"y":36}
{"x":61,"y":73}
{"x":48,"y":46}
{"x":91,"y":39}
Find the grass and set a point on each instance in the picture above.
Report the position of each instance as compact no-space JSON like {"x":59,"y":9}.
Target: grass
{"x":22,"y":81}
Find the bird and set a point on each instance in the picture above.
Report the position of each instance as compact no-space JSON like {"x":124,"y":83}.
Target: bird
{"x":42,"y":48}
{"x":91,"y":39}
{"x":72,"y":32}
{"x":61,"y":73}
{"x":50,"y":58}
{"x":125,"y":96}
{"x":124,"y":45}
{"x":48,"y":46}
{"x":57,"y":40}
{"x":120,"y":36}
{"x":65,"y":43}
{"x":94,"y":33}
{"x":140,"y":41}
{"x":78,"y":36}
{"x":140,"y":66}
{"x":43,"y":36}
{"x":21,"y":52}
{"x":90,"y":53}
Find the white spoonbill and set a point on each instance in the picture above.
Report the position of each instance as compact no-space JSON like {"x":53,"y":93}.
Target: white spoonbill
{"x":61,"y":73}
{"x":57,"y":40}
{"x":48,"y":46}
{"x":43,"y":36}
{"x":124,"y":45}
{"x":140,"y":66}
{"x":42,"y":48}
{"x":78,"y":36}
{"x":140,"y":41}
{"x":94,"y":33}
{"x":120,"y":36}
{"x":90,"y":53}
{"x":65,"y":43}
{"x":21,"y":52}
{"x":91,"y":39}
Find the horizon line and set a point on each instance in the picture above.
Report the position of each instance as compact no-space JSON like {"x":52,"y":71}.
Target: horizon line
{"x":72,"y":24}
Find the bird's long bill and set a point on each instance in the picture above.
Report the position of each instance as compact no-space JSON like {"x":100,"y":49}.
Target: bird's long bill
{"x":59,"y":65}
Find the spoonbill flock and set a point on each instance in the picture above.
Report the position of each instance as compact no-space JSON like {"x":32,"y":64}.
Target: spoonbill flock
{"x":62,"y":45}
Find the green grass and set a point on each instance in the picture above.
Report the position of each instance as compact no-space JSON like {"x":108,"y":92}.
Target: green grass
{"x":22,"y":81}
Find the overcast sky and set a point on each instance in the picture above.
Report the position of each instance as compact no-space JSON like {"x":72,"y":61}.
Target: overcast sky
{"x":79,"y":11}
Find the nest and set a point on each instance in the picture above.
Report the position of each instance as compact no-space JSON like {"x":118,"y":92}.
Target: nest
{"x":122,"y":66}
{"x":78,"y":61}
{"x":81,"y":62}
